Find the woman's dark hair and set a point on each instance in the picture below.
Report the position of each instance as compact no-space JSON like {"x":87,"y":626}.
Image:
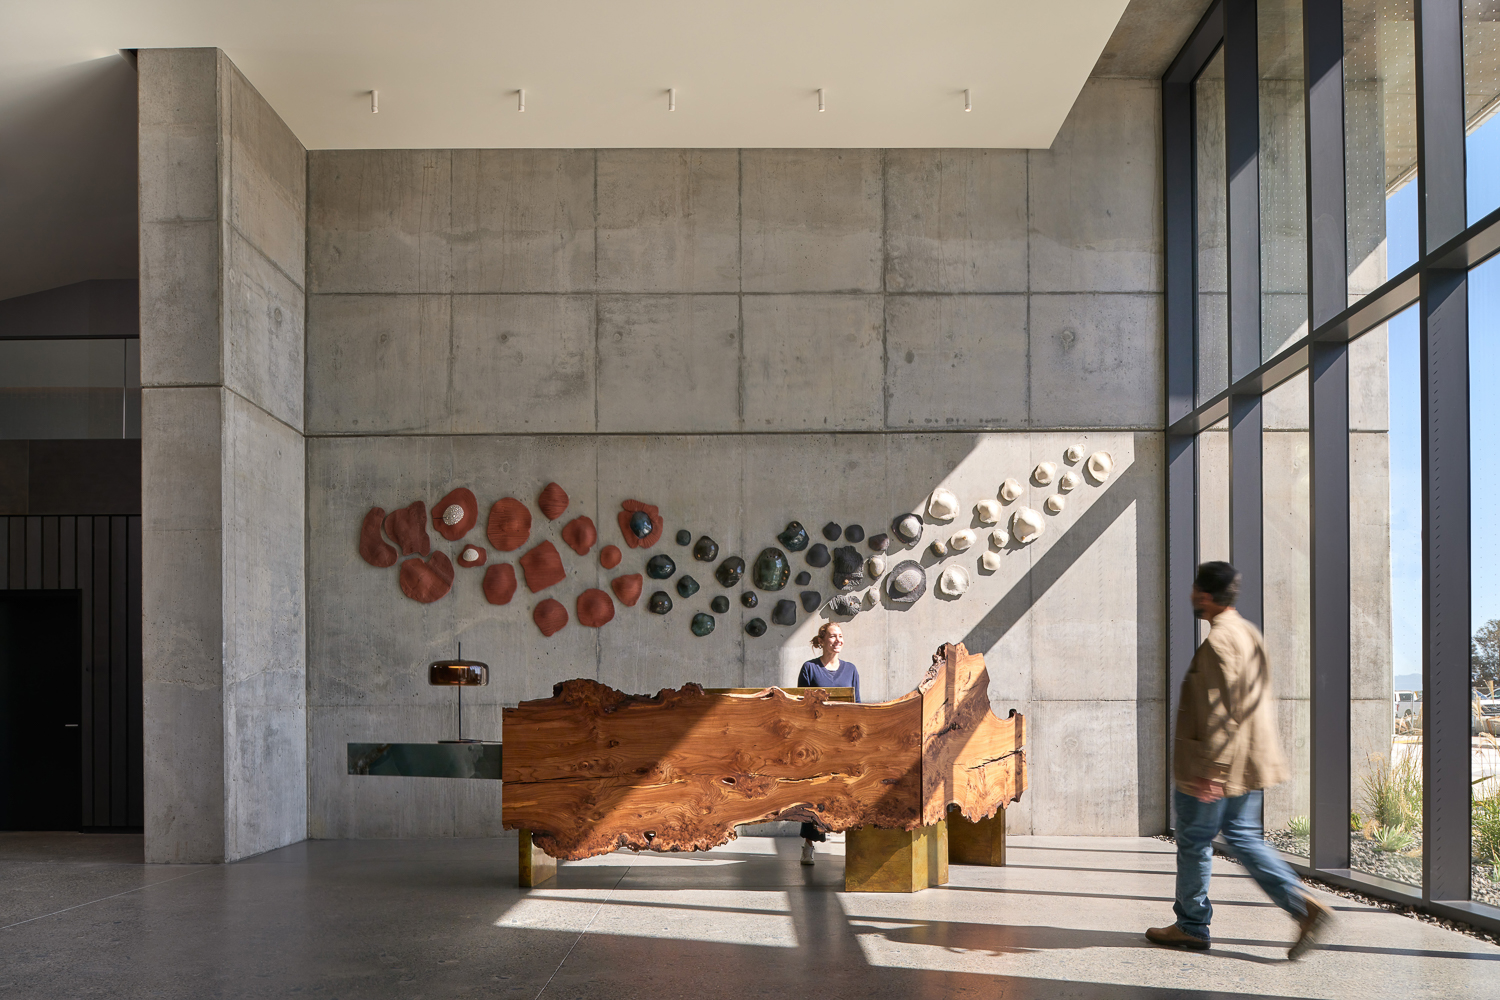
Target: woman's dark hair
{"x":1220,"y":581}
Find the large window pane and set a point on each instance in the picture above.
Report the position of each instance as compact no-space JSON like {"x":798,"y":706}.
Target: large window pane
{"x":1484,"y":521}
{"x":70,"y":388}
{"x":1213,"y":498}
{"x":1380,"y":140}
{"x":1385,"y":577}
{"x":1481,"y":101}
{"x":1283,"y":176}
{"x":1286,"y":527}
{"x":1212,"y":229}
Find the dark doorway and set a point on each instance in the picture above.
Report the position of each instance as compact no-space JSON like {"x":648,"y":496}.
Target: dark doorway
{"x":41,"y":696}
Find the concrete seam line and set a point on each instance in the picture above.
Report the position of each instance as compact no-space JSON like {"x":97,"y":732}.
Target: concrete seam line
{"x":101,"y":899}
{"x":581,"y":933}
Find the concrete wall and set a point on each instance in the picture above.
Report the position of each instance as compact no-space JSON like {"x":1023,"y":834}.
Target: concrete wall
{"x":742,"y":337}
{"x":223,"y":217}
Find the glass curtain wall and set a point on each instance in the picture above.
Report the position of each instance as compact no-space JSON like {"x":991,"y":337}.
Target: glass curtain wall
{"x":1484,"y":512}
{"x":1283,"y":176}
{"x":1481,"y":102}
{"x":1211,"y":185}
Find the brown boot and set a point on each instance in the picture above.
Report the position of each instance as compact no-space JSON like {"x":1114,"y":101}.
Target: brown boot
{"x":1311,"y":929}
{"x":1173,"y":936}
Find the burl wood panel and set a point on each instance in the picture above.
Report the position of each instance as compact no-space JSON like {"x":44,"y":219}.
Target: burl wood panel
{"x":970,"y":758}
{"x":591,"y":769}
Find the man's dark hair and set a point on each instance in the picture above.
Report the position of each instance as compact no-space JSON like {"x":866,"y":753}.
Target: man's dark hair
{"x":1220,"y":581}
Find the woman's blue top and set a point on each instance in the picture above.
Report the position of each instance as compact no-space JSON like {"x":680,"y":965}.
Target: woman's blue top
{"x":841,"y":674}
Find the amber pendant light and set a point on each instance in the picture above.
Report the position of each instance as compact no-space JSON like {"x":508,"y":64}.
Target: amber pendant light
{"x":459,"y":673}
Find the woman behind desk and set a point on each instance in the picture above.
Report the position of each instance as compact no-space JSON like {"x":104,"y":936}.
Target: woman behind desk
{"x":825,"y":671}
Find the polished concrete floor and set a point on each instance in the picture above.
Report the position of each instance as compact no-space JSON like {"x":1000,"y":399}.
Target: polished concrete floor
{"x":80,"y":916}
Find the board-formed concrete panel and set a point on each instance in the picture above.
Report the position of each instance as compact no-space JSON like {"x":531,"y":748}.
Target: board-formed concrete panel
{"x":814,"y":362}
{"x":264,"y":339}
{"x":520,"y":364}
{"x":377,"y":363}
{"x":669,"y":363}
{"x":955,"y":220}
{"x":1096,"y":361}
{"x":1101,"y":797}
{"x":669,"y":220}
{"x":267,"y":177}
{"x":180,"y":302}
{"x":956,"y":361}
{"x":811,"y":220}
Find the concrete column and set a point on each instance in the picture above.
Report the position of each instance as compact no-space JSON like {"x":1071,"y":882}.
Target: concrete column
{"x":222,"y":244}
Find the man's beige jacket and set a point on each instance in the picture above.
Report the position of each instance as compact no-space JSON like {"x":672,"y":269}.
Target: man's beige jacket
{"x":1226,"y":721}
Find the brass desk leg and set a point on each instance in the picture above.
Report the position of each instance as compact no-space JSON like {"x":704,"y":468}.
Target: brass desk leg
{"x":537,"y":866}
{"x":877,"y":860}
{"x":981,"y":843}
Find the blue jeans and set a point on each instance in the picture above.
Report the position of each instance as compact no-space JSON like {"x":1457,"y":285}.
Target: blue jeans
{"x":1239,"y":820}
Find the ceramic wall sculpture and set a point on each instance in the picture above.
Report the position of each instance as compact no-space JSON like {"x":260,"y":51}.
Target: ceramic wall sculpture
{"x":817,"y":556}
{"x":407,"y":527}
{"x":833,"y":531}
{"x":748,"y":599}
{"x":1026,"y":524}
{"x":843,"y":604}
{"x":990,"y":560}
{"x":810,"y":600}
{"x":509,"y":525}
{"x":427,"y":581}
{"x":939,"y":547}
{"x":373,"y":548}
{"x":1009,"y":490}
{"x":875,"y":566}
{"x":1056,"y":502}
{"x":455,"y":514}
{"x":1074,"y":454}
{"x":659,"y":603}
{"x":793,"y":536}
{"x":1100,"y":465}
{"x":543,"y":567}
{"x":686,"y":586}
{"x":660,"y":567}
{"x":729,"y":571}
{"x":707,"y":550}
{"x":988,"y":511}
{"x":499,"y":583}
{"x":684,"y":537}
{"x":942,"y":505}
{"x":961,"y":540}
{"x":719,"y":605}
{"x":1068,"y":481}
{"x":953,"y":581}
{"x":880,"y":542}
{"x":609,"y":556}
{"x":472,"y":555}
{"x":999,"y":538}
{"x":653,"y":519}
{"x":907,"y":582}
{"x":595,"y":609}
{"x":848,"y":567}
{"x":1044,"y":473}
{"x":854,"y":533}
{"x":803,"y":578}
{"x":908,"y":527}
{"x":702,"y":624}
{"x":771,"y":569}
{"x":755,"y":627}
{"x":785,"y":613}
{"x":627,"y":588}
{"x":552,"y":501}
{"x":550,"y":616}
{"x":580,"y":534}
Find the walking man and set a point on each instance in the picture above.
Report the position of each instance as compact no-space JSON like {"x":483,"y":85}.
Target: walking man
{"x":1226,"y":751}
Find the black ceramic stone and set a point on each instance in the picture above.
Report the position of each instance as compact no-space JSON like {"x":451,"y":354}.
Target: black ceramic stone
{"x":832,"y":530}
{"x":719,"y":605}
{"x":686,"y":586}
{"x":785,"y":613}
{"x":817,"y":556}
{"x":702,"y":624}
{"x":640,"y":524}
{"x":659,"y":603}
{"x":846,"y":559}
{"x":684,"y":537}
{"x":845,"y":581}
{"x":748,"y":599}
{"x":771,"y":569}
{"x":794,"y":536}
{"x":707,"y":550}
{"x":804,"y":578}
{"x":810,"y":600}
{"x":755,"y":627}
{"x":854,"y":533}
{"x":660,"y":566}
{"x":729,"y":571}
{"x":880,"y":542}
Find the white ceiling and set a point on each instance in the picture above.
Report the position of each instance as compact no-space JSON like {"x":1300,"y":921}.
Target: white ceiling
{"x":596,"y":72}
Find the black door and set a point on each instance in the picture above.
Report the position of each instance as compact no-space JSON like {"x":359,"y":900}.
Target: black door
{"x":41,"y":694}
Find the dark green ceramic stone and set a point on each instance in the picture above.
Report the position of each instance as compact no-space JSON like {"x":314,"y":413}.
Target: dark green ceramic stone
{"x":785,"y":613}
{"x":756,"y":627}
{"x":748,"y":599}
{"x":684,"y":537}
{"x":729,"y":571}
{"x":660,"y":566}
{"x":707,"y":550}
{"x":794,"y":536}
{"x":771,"y":569}
{"x":659,"y":603}
{"x":702,"y":624}
{"x":640,"y":524}
{"x":719,"y":605}
{"x":686,"y":586}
